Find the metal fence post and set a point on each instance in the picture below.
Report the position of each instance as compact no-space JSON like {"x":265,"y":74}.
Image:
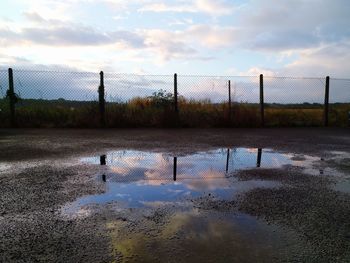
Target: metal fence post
{"x":175,"y":94}
{"x":101,"y":100}
{"x":262,"y":106}
{"x":229,"y":102}
{"x":326,"y":103}
{"x":12,"y":98}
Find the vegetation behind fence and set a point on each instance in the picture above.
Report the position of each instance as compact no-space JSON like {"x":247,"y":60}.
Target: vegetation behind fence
{"x":84,"y":99}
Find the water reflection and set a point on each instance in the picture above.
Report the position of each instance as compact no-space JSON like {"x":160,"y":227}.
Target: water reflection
{"x":258,"y":162}
{"x":130,"y":166}
{"x":136,"y":178}
{"x":175,"y":168}
{"x":103,"y":159}
{"x":227,"y":159}
{"x":210,"y":238}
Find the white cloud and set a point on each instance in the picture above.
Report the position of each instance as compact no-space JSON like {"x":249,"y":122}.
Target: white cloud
{"x":181,"y":22}
{"x":167,"y":44}
{"x":213,"y":8}
{"x":216,"y":8}
{"x":296,"y":24}
{"x":162,"y":7}
{"x":256,"y":71}
{"x":34,"y":17}
{"x":311,"y":36}
{"x":329,"y":59}
{"x":212,"y":36}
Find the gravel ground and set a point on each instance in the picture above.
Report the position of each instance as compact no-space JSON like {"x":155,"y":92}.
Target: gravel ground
{"x":308,"y":205}
{"x":304,"y":220}
{"x":24,"y":144}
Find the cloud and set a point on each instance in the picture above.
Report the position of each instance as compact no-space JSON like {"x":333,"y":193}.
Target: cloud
{"x":162,"y":7}
{"x":288,"y":25}
{"x":33,"y":16}
{"x":267,"y":26}
{"x":328,"y":59}
{"x":181,"y":22}
{"x":8,"y":37}
{"x":216,"y":8}
{"x":65,"y":36}
{"x":312,"y":37}
{"x":213,"y":8}
{"x":165,"y":44}
{"x":281,"y":41}
{"x":305,"y":77}
{"x":62,"y":33}
{"x":211,"y":36}
{"x":256,"y":71}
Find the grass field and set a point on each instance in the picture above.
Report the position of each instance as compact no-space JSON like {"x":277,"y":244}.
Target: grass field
{"x":158,"y":112}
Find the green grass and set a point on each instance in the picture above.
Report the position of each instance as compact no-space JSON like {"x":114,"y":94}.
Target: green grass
{"x":155,"y":112}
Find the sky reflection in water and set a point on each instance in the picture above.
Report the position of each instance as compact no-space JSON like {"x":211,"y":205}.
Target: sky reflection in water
{"x":136,"y":178}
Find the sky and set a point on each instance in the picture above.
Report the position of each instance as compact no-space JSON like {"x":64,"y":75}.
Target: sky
{"x":208,"y":37}
{"x":304,"y":38}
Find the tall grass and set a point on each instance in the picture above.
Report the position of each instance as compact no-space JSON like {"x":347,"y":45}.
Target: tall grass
{"x":159,"y":112}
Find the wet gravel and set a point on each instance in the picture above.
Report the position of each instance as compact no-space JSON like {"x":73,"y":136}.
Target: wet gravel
{"x":306,"y":204}
{"x":210,"y":202}
{"x":32,"y":229}
{"x":43,"y":237}
{"x":44,"y":187}
{"x":288,"y":175}
{"x":28,"y":144}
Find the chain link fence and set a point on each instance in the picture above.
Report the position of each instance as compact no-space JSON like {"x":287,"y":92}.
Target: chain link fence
{"x":72,"y":99}
{"x":138,"y":100}
{"x":297,"y":101}
{"x":4,"y":104}
{"x":339,"y":113}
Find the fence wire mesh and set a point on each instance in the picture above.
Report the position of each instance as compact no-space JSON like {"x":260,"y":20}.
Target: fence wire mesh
{"x":215,"y":89}
{"x":4,"y":105}
{"x":51,"y":85}
{"x":339,"y":99}
{"x":122,"y":88}
{"x":3,"y":83}
{"x":71,"y":99}
{"x":296,"y":101}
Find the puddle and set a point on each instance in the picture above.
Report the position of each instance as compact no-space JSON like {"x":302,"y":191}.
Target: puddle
{"x":343,"y":186}
{"x":192,"y":237}
{"x":137,"y":165}
{"x":138,"y":179}
{"x":159,"y":207}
